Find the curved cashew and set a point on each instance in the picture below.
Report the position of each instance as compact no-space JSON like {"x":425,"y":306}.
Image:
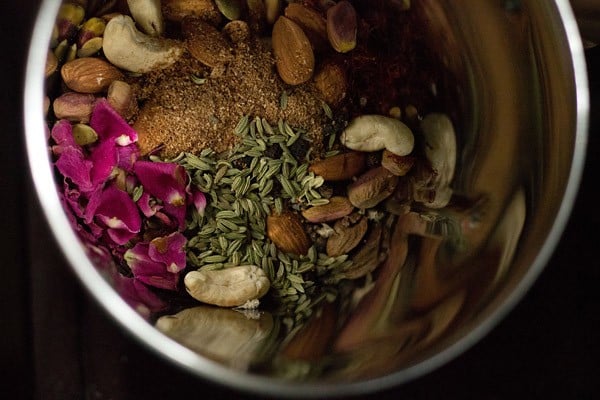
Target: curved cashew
{"x":377,"y":132}
{"x":229,"y":287}
{"x":130,"y":49}
{"x":148,"y":14}
{"x":440,"y":150}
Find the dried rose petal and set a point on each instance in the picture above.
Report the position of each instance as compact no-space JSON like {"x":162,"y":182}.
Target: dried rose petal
{"x":168,"y":182}
{"x":114,"y":209}
{"x":169,"y":250}
{"x":72,"y":164}
{"x":62,"y":133}
{"x":159,"y":262}
{"x":127,"y":156}
{"x":148,"y":205}
{"x":104,"y":159}
{"x":199,"y":200}
{"x":109,"y":125}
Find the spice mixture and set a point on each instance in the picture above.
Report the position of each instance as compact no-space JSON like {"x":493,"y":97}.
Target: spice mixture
{"x":273,"y":171}
{"x":182,"y":115}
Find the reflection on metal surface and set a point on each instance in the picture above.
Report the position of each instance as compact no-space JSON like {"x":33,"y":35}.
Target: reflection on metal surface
{"x":232,"y":337}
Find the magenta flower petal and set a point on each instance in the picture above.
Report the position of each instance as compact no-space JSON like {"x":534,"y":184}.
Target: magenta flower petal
{"x":72,"y":164}
{"x":109,"y":125}
{"x":169,"y":250}
{"x":165,"y":181}
{"x":117,"y":211}
{"x":148,"y":205}
{"x":62,"y":133}
{"x":199,"y":200}
{"x":104,"y":159}
{"x":127,"y":155}
{"x":168,"y":183}
{"x":149,"y":271}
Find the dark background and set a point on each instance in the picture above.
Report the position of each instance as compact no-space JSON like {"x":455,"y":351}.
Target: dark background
{"x":57,"y":344}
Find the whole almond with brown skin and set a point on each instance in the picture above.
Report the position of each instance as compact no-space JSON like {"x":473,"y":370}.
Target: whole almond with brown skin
{"x":287,"y":233}
{"x":348,"y":232}
{"x":89,"y":75}
{"x":340,"y":167}
{"x":294,"y":55}
{"x":338,"y":207}
{"x":205,"y":42}
{"x":397,"y":165}
{"x":177,"y":10}
{"x":312,"y":23}
{"x":372,"y":187}
{"x":331,"y":82}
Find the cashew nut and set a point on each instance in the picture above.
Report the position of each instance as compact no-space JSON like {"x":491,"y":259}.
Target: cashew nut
{"x":132,"y":50}
{"x":148,"y":15}
{"x":229,"y":287}
{"x":377,"y":132}
{"x":440,"y":150}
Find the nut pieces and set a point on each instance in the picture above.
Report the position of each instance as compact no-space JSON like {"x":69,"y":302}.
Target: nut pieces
{"x":372,"y":187}
{"x":293,"y":52}
{"x":148,"y":15}
{"x":205,"y":42}
{"x":377,"y":132}
{"x":348,"y":232}
{"x":340,"y":167}
{"x":338,"y":207}
{"x":229,"y":287}
{"x":89,"y":75}
{"x":132,"y":50}
{"x":342,"y":26}
{"x":76,"y":107}
{"x":287,"y":233}
{"x":312,"y":23}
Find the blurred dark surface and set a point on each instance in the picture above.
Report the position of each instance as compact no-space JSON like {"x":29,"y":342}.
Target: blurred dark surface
{"x":58,"y":344}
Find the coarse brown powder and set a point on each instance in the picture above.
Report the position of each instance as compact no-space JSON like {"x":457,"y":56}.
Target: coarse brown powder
{"x":180,"y":115}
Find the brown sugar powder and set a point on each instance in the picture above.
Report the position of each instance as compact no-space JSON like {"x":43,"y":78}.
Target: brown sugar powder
{"x":179,"y":114}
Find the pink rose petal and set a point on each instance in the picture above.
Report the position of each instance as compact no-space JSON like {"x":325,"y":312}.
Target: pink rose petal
{"x":117,"y":211}
{"x":109,"y":125}
{"x":199,"y":200}
{"x":72,"y":164}
{"x":168,"y":182}
{"x":169,"y":250}
{"x":149,"y":271}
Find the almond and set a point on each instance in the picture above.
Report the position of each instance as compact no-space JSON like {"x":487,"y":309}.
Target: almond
{"x":348,"y":232}
{"x":397,"y":165}
{"x":287,"y":233}
{"x":89,"y":75}
{"x":205,"y":42}
{"x":312,"y":23}
{"x":340,"y":167}
{"x":372,"y":187}
{"x":294,"y":56}
{"x":338,"y":207}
